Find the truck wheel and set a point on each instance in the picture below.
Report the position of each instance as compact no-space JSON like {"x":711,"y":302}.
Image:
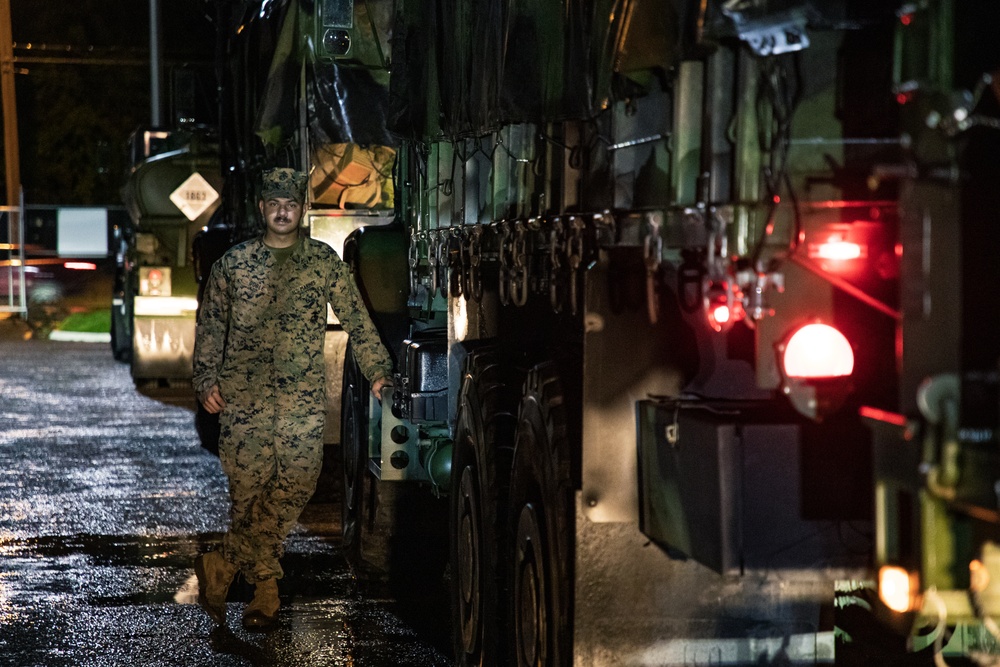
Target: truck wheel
{"x":370,"y":507}
{"x":540,"y":526}
{"x":354,"y":450}
{"x":479,"y":478}
{"x":121,"y":343}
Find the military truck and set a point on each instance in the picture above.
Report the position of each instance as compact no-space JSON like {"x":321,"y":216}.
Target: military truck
{"x":936,"y":467}
{"x":171,"y":192}
{"x":663,"y":281}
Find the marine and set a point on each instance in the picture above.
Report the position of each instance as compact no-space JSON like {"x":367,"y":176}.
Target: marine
{"x":258,"y":362}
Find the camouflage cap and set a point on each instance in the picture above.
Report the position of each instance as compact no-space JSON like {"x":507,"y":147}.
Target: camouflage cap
{"x":284,"y":182}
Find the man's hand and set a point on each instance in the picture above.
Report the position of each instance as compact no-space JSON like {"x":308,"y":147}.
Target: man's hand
{"x":212,"y":400}
{"x":379,"y":384}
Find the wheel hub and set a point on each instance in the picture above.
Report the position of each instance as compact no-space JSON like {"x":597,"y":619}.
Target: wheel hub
{"x":529,"y":590}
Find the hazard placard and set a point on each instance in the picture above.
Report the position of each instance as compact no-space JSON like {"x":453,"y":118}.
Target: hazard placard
{"x":194,"y":196}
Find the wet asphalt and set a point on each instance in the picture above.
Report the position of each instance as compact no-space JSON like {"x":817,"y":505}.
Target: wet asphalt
{"x":106,"y":497}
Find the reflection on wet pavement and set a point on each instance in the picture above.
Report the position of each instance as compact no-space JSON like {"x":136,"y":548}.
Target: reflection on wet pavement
{"x":106,"y":497}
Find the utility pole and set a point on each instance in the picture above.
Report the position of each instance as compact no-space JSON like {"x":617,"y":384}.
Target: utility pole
{"x":11,"y":149}
{"x":156,"y":107}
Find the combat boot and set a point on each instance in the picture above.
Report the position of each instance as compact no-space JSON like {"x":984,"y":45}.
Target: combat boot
{"x":215,"y":574}
{"x":262,"y":612}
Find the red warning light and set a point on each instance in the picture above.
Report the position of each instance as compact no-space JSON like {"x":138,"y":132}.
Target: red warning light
{"x":723,"y":306}
{"x":80,"y":266}
{"x":817,"y":351}
{"x":906,"y":19}
{"x":836,"y":249}
{"x":721,"y":314}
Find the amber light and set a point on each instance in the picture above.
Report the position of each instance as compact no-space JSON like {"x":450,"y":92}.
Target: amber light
{"x":979,"y":576}
{"x":896,"y":588}
{"x":817,"y":351}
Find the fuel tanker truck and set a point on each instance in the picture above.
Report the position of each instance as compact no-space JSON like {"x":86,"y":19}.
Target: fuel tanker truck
{"x":171,"y":191}
{"x":690,"y":307}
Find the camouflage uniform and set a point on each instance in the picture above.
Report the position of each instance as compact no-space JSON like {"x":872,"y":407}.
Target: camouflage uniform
{"x":260,"y":338}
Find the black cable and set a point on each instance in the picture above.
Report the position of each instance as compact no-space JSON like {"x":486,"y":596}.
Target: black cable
{"x":780,"y":96}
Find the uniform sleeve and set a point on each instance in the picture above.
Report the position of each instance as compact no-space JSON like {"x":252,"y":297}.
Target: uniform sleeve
{"x":212,"y":327}
{"x":350,"y":309}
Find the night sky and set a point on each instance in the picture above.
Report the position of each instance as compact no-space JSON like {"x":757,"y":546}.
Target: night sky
{"x":76,"y":111}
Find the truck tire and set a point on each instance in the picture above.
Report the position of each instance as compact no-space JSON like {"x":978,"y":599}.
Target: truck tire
{"x":121,"y":341}
{"x":479,"y":483}
{"x":540,"y":526}
{"x":121,"y":329}
{"x":354,"y":452}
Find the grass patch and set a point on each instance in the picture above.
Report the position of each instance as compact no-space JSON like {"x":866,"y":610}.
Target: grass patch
{"x":92,"y":321}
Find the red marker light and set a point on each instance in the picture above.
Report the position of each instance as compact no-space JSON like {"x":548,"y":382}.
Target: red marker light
{"x":817,"y":351}
{"x":882,"y":415}
{"x":80,"y":266}
{"x":906,"y":19}
{"x":835,"y":249}
{"x":155,"y":275}
{"x":723,"y":305}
